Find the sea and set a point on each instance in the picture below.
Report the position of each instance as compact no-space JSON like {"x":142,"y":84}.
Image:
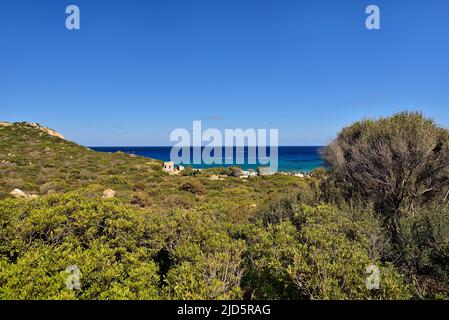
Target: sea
{"x":290,"y":159}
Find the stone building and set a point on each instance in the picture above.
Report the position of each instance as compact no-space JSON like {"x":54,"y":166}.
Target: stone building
{"x":169,"y":166}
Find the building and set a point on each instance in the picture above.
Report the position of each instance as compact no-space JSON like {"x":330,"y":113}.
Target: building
{"x":264,"y":171}
{"x":169,"y":166}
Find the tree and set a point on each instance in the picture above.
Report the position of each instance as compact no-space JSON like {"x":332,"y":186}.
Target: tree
{"x":398,"y":163}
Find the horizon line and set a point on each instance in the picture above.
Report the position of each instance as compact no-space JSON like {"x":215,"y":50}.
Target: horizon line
{"x":165,"y":146}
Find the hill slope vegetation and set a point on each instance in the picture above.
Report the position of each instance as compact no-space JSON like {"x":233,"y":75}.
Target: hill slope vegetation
{"x":191,"y":237}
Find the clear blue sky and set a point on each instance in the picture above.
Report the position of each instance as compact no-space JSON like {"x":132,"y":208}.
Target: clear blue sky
{"x":138,"y":69}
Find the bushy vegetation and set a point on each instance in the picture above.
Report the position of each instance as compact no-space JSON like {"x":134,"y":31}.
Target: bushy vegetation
{"x":193,"y":237}
{"x":128,"y":253}
{"x":400,"y":163}
{"x":318,"y":252}
{"x":122,"y":252}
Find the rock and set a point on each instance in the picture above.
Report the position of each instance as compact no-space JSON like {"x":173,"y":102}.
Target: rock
{"x":215,"y":177}
{"x":108,"y":193}
{"x":42,"y":129}
{"x":18,"y":194}
{"x":46,"y":130}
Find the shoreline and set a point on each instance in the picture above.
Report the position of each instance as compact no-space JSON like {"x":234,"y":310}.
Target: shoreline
{"x":291,"y":159}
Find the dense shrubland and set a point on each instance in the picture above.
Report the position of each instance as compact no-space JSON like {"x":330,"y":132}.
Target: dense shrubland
{"x":381,"y":202}
{"x":125,"y":252}
{"x":400,"y":166}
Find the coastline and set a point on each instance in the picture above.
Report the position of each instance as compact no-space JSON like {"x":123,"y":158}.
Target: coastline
{"x":291,"y":159}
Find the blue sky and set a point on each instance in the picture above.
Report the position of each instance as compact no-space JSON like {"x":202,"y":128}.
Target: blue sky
{"x":139,"y":69}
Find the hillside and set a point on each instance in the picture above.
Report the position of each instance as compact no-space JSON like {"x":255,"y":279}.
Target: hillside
{"x":163,"y":236}
{"x":38,"y":161}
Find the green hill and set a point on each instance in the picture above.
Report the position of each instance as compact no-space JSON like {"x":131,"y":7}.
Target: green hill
{"x":39,"y":163}
{"x":165,"y":236}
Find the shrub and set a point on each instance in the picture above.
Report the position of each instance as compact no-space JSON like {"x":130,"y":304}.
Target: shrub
{"x":141,"y":199}
{"x":315,"y":253}
{"x":214,"y":275}
{"x":188,"y":172}
{"x":110,"y":243}
{"x":13,"y":183}
{"x":399,"y":163}
{"x":193,"y":186}
{"x":122,"y":252}
{"x":139,"y":186}
{"x":52,"y":187}
{"x":425,"y":255}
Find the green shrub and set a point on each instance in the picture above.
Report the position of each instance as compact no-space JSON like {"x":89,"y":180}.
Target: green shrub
{"x":52,"y":187}
{"x":425,"y":254}
{"x":400,"y":163}
{"x":139,"y":186}
{"x":193,"y":186}
{"x":12,"y":183}
{"x":315,"y":253}
{"x":141,"y":199}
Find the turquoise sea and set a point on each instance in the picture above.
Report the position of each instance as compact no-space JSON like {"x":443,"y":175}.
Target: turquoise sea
{"x":291,"y":159}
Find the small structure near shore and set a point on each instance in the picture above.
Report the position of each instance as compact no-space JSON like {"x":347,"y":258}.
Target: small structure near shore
{"x":248,"y":174}
{"x":264,"y":171}
{"x":170,"y":167}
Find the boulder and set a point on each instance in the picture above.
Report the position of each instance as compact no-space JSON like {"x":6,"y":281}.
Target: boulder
{"x":18,"y":193}
{"x":108,"y":194}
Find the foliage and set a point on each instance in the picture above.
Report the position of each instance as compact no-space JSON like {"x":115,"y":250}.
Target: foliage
{"x":192,"y":186}
{"x":399,"y":162}
{"x":118,"y":250}
{"x":316,"y":252}
{"x":192,"y":237}
{"x":425,"y":256}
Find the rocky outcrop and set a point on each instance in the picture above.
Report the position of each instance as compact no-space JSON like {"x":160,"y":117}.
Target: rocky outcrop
{"x":18,"y":194}
{"x":46,"y":130}
{"x":43,"y":129}
{"x":108,"y":194}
